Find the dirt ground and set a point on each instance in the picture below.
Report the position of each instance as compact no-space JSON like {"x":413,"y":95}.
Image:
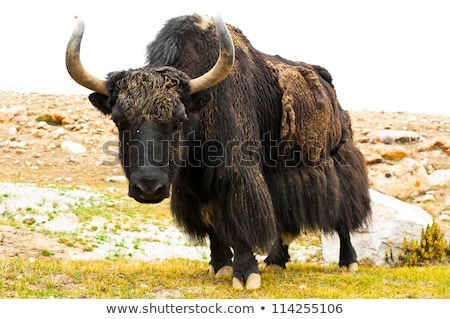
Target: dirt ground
{"x":31,"y":152}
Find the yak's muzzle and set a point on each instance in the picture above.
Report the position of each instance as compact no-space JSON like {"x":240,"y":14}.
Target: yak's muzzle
{"x":148,"y":188}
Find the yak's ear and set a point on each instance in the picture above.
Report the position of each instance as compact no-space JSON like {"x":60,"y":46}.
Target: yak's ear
{"x":100,"y":101}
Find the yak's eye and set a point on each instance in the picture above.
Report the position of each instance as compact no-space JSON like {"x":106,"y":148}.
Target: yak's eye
{"x":179,"y":112}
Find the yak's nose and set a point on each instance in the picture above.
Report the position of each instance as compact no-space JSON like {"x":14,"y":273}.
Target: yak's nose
{"x":148,"y":189}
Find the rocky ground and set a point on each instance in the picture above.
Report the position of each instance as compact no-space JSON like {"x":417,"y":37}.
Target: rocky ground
{"x":61,"y":140}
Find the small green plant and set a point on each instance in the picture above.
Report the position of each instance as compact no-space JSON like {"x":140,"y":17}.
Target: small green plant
{"x":66,"y":241}
{"x":136,"y":243}
{"x":89,"y":248}
{"x":46,"y":253}
{"x":432,"y":249}
{"x":41,"y":203}
{"x":102,"y":237}
{"x":121,"y":243}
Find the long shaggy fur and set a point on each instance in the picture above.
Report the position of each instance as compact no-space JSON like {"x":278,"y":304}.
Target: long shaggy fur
{"x":289,"y":159}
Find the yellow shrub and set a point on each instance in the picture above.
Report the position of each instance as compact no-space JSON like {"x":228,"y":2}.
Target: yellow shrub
{"x":432,"y":249}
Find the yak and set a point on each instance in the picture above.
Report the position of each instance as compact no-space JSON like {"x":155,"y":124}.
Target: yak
{"x":252,"y":149}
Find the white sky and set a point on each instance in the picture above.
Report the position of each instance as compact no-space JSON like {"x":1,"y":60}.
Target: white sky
{"x":384,"y":55}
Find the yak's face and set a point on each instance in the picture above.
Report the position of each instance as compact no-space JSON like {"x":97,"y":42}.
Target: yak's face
{"x":147,"y":109}
{"x":149,"y":104}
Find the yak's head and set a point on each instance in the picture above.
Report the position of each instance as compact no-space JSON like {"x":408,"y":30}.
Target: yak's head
{"x":148,"y":106}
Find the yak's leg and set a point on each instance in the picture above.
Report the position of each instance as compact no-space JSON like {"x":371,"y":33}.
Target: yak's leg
{"x":220,"y":258}
{"x":279,"y":255}
{"x":245,"y":269}
{"x":347,"y":254}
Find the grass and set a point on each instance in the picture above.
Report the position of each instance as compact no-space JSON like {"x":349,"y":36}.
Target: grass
{"x":181,"y":278}
{"x":118,"y":276}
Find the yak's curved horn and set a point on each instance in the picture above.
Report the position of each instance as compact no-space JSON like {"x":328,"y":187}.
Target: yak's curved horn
{"x":74,"y":66}
{"x":223,"y":65}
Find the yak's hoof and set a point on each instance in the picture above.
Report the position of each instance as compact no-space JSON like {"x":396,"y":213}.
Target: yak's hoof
{"x":224,"y":272}
{"x":352,"y":267}
{"x":253,"y":282}
{"x":237,"y":283}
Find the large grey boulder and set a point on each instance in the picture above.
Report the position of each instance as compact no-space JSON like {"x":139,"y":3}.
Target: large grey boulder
{"x":392,"y":221}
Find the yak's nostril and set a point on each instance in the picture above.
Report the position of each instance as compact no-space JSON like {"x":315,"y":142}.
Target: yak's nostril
{"x":158,"y":189}
{"x":140,"y":188}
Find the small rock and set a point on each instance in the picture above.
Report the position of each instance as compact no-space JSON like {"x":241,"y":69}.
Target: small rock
{"x":40,"y":133}
{"x":59,"y":119}
{"x":363,"y":140}
{"x":58,"y":133}
{"x":439,"y":178}
{"x":394,"y":136}
{"x":42,"y":125}
{"x":424,"y":198}
{"x":373,"y":158}
{"x":117,"y":179}
{"x":12,"y":130}
{"x":72,"y":147}
{"x":435,"y":143}
{"x":16,"y":144}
